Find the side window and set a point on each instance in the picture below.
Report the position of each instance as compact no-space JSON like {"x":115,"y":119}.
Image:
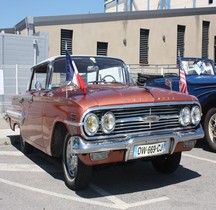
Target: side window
{"x":58,"y":77}
{"x":39,"y":75}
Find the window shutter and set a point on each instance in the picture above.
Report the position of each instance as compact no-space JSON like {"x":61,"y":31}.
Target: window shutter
{"x":102,"y":48}
{"x":180,"y":41}
{"x":66,"y":41}
{"x":205,"y":39}
{"x":144,"y":46}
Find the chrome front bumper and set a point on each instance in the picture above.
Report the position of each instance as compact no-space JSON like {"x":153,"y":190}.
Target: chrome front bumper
{"x":81,"y":146}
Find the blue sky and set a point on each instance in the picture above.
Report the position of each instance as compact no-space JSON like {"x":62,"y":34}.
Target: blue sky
{"x":12,"y":12}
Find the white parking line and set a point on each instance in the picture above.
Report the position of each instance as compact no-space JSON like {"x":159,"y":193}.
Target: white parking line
{"x":110,"y":197}
{"x":199,"y":158}
{"x":20,"y":167}
{"x":11,"y":153}
{"x":8,"y":132}
{"x":123,"y":205}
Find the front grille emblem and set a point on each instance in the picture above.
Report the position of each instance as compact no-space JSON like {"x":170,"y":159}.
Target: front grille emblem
{"x":151,"y":118}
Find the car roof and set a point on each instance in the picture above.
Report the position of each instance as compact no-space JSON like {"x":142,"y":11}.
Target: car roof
{"x":53,"y":58}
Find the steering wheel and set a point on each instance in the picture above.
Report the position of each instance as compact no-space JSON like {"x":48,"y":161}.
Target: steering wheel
{"x":104,"y":78}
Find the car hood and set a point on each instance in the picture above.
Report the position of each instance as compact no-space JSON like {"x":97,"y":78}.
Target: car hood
{"x":120,"y":95}
{"x":202,"y":79}
{"x":191,"y":79}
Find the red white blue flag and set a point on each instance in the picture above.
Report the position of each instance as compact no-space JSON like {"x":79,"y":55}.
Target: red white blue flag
{"x":72,"y":73}
{"x":182,"y":81}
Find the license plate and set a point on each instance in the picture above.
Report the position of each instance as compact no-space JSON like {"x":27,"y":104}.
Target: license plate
{"x":149,"y":149}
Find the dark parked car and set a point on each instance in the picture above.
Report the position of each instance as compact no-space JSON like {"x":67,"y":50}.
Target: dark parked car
{"x":201,"y":82}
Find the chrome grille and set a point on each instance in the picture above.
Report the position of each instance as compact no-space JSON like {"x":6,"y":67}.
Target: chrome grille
{"x":132,"y":120}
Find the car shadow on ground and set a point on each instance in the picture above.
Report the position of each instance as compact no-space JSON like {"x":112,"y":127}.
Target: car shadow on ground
{"x":136,"y":177}
{"x":116,"y":179}
{"x":202,"y":144}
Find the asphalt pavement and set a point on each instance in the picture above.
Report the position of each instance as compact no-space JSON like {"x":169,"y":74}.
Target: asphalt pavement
{"x":36,"y":182}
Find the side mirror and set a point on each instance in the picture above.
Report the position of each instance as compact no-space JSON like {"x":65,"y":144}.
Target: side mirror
{"x":38,"y":86}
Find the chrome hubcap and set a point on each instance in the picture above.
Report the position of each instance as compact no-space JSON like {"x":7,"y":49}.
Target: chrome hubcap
{"x":212,"y":128}
{"x":71,"y":160}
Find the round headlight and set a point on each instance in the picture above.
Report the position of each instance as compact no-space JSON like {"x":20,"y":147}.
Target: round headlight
{"x":91,"y":124}
{"x":185,"y":116}
{"x":108,"y":122}
{"x":195,"y":115}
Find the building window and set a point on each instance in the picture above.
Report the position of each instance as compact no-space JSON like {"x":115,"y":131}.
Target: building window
{"x":144,"y":46}
{"x":210,"y":1}
{"x":102,"y":48}
{"x":66,"y":41}
{"x":205,"y":38}
{"x":180,"y":40}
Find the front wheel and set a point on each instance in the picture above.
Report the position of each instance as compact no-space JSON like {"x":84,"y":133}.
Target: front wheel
{"x":167,"y":164}
{"x":76,"y":174}
{"x":210,"y":128}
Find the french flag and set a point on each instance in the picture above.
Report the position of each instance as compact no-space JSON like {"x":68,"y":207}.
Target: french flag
{"x":72,"y":73}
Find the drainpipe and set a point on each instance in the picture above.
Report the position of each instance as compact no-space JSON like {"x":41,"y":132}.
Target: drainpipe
{"x":148,"y":4}
{"x":35,"y":51}
{"x":30,"y":25}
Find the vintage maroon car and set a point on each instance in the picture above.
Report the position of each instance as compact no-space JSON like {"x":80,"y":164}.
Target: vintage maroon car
{"x":114,"y":121}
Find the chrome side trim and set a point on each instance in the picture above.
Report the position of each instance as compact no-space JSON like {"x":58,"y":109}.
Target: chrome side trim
{"x":73,"y":123}
{"x":17,"y":115}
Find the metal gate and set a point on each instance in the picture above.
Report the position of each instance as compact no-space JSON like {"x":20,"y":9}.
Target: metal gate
{"x":15,"y":81}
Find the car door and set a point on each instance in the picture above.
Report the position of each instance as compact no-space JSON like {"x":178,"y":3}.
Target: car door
{"x":33,"y":104}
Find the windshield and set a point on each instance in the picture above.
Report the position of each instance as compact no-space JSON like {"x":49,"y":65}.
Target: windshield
{"x":101,"y":70}
{"x":198,"y":67}
{"x":93,"y":70}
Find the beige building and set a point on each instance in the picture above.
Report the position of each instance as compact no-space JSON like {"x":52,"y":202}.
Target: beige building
{"x":139,"y":37}
{"x":137,"y":5}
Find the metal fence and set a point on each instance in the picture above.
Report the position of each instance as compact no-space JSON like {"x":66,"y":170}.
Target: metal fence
{"x":152,"y":69}
{"x":14,"y":81}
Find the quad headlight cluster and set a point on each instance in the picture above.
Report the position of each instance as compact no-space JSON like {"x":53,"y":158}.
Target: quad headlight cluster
{"x":92,"y":123}
{"x":107,"y":122}
{"x":190,"y":116}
